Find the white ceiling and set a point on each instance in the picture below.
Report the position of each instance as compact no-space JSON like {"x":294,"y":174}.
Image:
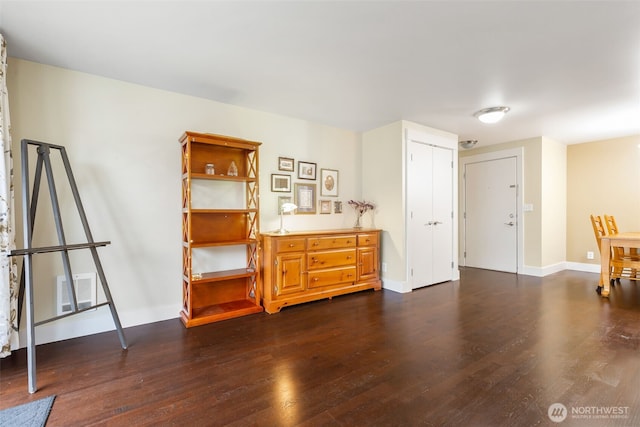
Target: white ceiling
{"x":569,"y":70}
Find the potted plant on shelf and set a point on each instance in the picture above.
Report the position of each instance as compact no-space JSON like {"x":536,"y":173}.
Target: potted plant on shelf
{"x":361,"y":208}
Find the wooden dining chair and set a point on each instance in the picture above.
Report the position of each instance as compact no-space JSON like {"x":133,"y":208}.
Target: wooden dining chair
{"x":619,"y":266}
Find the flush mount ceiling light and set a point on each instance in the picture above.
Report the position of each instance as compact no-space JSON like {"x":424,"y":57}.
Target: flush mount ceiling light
{"x":491,"y":115}
{"x":469,"y":143}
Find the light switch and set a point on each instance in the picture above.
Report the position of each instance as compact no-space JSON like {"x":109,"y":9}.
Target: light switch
{"x":528,"y":207}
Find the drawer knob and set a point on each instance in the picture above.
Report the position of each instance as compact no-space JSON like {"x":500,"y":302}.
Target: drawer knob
{"x":291,"y":245}
{"x":315,"y":279}
{"x":348,"y":256}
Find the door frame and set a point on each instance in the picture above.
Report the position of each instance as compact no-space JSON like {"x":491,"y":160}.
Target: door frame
{"x":518,"y":153}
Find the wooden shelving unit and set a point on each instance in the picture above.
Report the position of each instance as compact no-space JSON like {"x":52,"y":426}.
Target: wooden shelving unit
{"x":215,"y":294}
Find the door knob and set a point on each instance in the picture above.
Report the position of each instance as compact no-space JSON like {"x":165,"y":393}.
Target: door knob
{"x":510,"y":223}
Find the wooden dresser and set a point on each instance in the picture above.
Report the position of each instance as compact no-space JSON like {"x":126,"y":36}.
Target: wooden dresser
{"x":311,"y":265}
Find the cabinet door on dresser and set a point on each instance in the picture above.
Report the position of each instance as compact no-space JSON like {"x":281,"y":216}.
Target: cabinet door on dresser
{"x":367,"y":257}
{"x":289,"y":271}
{"x":290,"y":267}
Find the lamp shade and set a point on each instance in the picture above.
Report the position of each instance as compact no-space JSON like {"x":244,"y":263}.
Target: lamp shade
{"x":288,"y":207}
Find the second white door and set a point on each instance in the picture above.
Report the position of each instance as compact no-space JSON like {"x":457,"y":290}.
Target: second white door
{"x":490,"y":215}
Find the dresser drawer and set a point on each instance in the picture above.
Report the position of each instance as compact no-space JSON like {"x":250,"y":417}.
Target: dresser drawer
{"x":290,"y":245}
{"x":331,"y":259}
{"x":331,"y":242}
{"x":318,"y":279}
{"x":367,"y":239}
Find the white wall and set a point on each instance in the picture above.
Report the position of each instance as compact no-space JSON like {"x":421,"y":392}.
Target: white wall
{"x":554,"y":202}
{"x":122,"y":141}
{"x":383,"y":175}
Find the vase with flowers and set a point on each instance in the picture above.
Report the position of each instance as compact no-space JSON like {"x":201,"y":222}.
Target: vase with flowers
{"x":361,"y":207}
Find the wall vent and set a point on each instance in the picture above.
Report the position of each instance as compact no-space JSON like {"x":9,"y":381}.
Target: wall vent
{"x":85,"y":286}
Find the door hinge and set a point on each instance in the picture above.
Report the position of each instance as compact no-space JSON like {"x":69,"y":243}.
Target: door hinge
{"x":412,"y":272}
{"x":451,"y":264}
{"x":464,"y":254}
{"x":275,"y":262}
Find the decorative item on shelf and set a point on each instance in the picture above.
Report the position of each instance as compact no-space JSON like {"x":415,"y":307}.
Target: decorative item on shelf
{"x":233,"y":169}
{"x":361,"y":208}
{"x":286,"y":208}
{"x":209,"y":169}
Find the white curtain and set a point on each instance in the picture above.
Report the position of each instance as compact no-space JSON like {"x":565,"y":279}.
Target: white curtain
{"x":8,"y":271}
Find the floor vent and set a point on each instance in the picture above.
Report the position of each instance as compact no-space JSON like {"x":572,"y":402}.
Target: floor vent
{"x":85,"y":286}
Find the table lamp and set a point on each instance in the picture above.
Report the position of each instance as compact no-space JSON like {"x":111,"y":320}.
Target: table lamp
{"x":285,"y":208}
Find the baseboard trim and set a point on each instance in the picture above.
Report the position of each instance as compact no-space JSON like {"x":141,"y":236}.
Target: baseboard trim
{"x":94,"y":322}
{"x":581,"y":266}
{"x":395,"y":286}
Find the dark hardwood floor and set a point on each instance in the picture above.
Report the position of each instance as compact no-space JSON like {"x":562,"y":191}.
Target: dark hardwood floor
{"x":493,"y":349}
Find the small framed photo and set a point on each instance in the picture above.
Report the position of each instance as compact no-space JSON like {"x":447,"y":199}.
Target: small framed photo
{"x":325,"y":206}
{"x":281,"y":201}
{"x":305,"y":198}
{"x":280,"y":183}
{"x":328,"y":182}
{"x":307,"y":170}
{"x":285,"y":164}
{"x":337,"y":207}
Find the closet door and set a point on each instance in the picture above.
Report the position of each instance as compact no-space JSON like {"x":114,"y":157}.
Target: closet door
{"x":429,"y":212}
{"x":419,"y":213}
{"x":442,"y":196}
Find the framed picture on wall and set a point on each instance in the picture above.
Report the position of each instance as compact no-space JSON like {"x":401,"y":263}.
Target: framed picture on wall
{"x":285,"y":164}
{"x":337,"y":207}
{"x":325,"y":206}
{"x":328,"y":182}
{"x":305,"y":198}
{"x":280,"y":183}
{"x":306,"y":170}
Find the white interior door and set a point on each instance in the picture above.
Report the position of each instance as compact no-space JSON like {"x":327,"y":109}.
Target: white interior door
{"x":490,"y":217}
{"x":442,"y":216}
{"x":419,"y":206}
{"x":430,"y":207}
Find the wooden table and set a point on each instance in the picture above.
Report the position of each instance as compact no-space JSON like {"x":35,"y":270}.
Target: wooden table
{"x":626,"y":240}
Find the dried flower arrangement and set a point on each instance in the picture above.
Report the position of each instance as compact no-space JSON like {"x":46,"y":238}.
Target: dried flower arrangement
{"x":361,"y":208}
